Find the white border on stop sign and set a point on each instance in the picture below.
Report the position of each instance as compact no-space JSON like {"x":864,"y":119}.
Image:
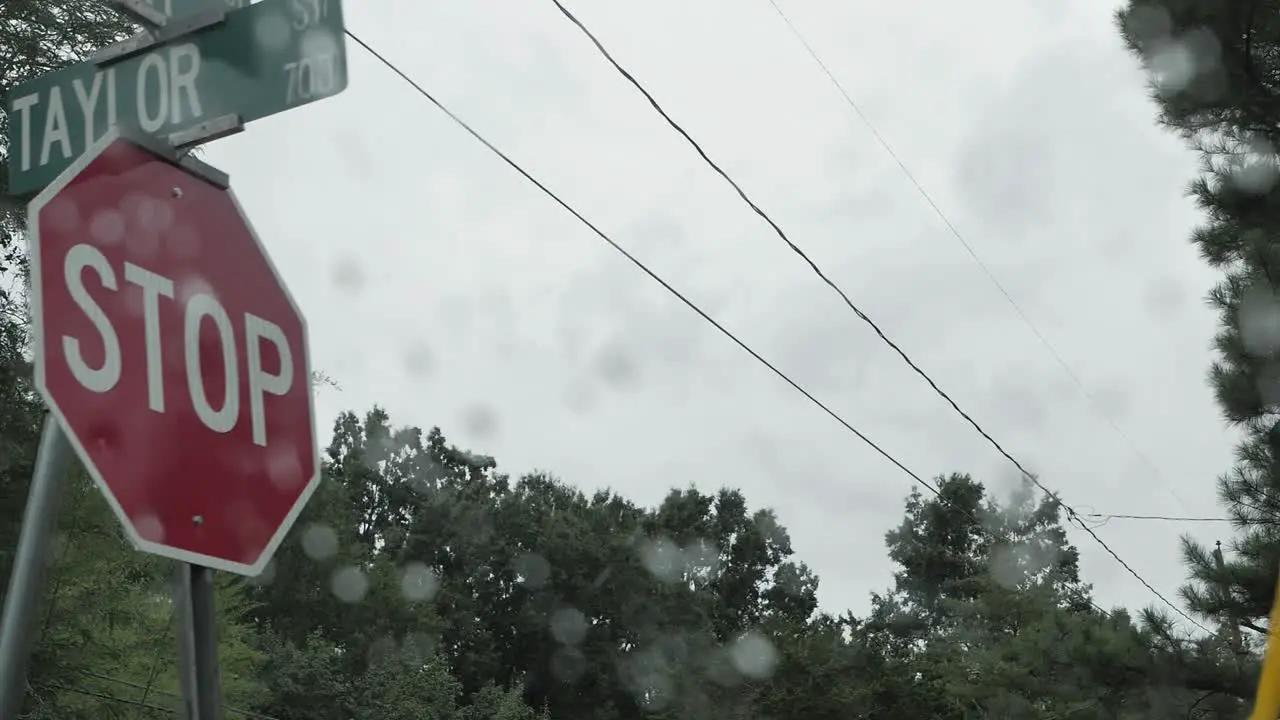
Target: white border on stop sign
{"x":37,"y":317}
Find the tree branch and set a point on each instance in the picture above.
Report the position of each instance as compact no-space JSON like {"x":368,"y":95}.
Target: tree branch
{"x":1255,"y":627}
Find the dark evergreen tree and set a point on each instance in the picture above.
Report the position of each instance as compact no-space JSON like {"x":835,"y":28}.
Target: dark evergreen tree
{"x":1215,"y":70}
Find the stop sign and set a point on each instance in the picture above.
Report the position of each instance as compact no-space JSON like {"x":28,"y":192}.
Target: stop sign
{"x":172,"y":354}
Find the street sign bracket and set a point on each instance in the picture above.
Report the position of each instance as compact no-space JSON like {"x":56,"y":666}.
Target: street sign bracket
{"x":163,"y":148}
{"x":207,"y":131}
{"x":167,"y":31}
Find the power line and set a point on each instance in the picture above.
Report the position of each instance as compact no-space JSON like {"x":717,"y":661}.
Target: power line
{"x":955,"y":232}
{"x":1071,"y":513}
{"x":149,"y":689}
{"x":639,"y":264}
{"x":783,"y":235}
{"x":1171,"y":518}
{"x":112,"y":698}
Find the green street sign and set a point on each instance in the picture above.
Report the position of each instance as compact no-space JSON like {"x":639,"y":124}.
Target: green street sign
{"x":264,"y":59}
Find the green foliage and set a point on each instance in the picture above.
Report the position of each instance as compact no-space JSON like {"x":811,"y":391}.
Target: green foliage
{"x":1226,"y":103}
{"x":422,"y":583}
{"x":594,"y":607}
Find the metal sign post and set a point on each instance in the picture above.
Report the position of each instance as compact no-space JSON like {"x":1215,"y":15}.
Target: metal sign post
{"x":26,"y":580}
{"x":197,"y":642}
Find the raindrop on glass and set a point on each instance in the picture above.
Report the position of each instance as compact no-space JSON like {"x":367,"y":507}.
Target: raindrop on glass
{"x":533,"y":570}
{"x":319,"y":542}
{"x":569,"y":626}
{"x":149,"y":528}
{"x":753,"y":655}
{"x":418,"y":360}
{"x":480,"y":421}
{"x":348,"y":275}
{"x":349,"y":584}
{"x":662,"y":558}
{"x":106,"y":227}
{"x":418,"y":582}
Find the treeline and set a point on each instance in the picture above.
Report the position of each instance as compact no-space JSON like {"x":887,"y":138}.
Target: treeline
{"x":422,"y":583}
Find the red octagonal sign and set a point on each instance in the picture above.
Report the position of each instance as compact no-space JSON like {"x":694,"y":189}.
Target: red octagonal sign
{"x":173,"y":356}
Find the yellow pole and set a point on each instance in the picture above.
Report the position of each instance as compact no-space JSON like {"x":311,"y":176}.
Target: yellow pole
{"x":1267,"y":705}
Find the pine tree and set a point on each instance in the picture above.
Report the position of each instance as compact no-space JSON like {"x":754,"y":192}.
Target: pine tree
{"x":1215,"y":77}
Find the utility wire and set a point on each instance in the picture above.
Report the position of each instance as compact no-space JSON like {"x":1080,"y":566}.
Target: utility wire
{"x":657,"y":278}
{"x":955,"y":232}
{"x":148,"y":689}
{"x":641,"y":266}
{"x":1171,"y":518}
{"x":1071,"y":513}
{"x":112,"y":698}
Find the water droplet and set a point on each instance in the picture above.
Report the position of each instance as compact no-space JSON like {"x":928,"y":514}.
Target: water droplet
{"x":106,"y":227}
{"x":703,"y":557}
{"x":616,"y":367}
{"x":753,"y":655}
{"x":569,"y":626}
{"x":418,"y":361}
{"x":418,"y":582}
{"x":319,"y":542}
{"x":662,"y":558}
{"x":533,"y":570}
{"x":349,"y":584}
{"x":149,"y":528}
{"x":192,"y":285}
{"x":284,"y":468}
{"x":1256,"y":177}
{"x":1258,"y":318}
{"x":1172,"y":66}
{"x":348,"y":275}
{"x":152,"y":215}
{"x":480,"y":421}
{"x":272,"y":32}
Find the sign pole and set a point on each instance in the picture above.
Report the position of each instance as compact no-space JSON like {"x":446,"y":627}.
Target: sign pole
{"x":30,"y":560}
{"x":197,"y":642}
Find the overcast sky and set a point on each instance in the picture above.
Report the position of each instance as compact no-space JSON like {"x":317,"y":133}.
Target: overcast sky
{"x":444,"y":287}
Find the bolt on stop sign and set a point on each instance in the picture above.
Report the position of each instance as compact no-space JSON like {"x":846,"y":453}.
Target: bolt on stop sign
{"x":173,"y":356}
